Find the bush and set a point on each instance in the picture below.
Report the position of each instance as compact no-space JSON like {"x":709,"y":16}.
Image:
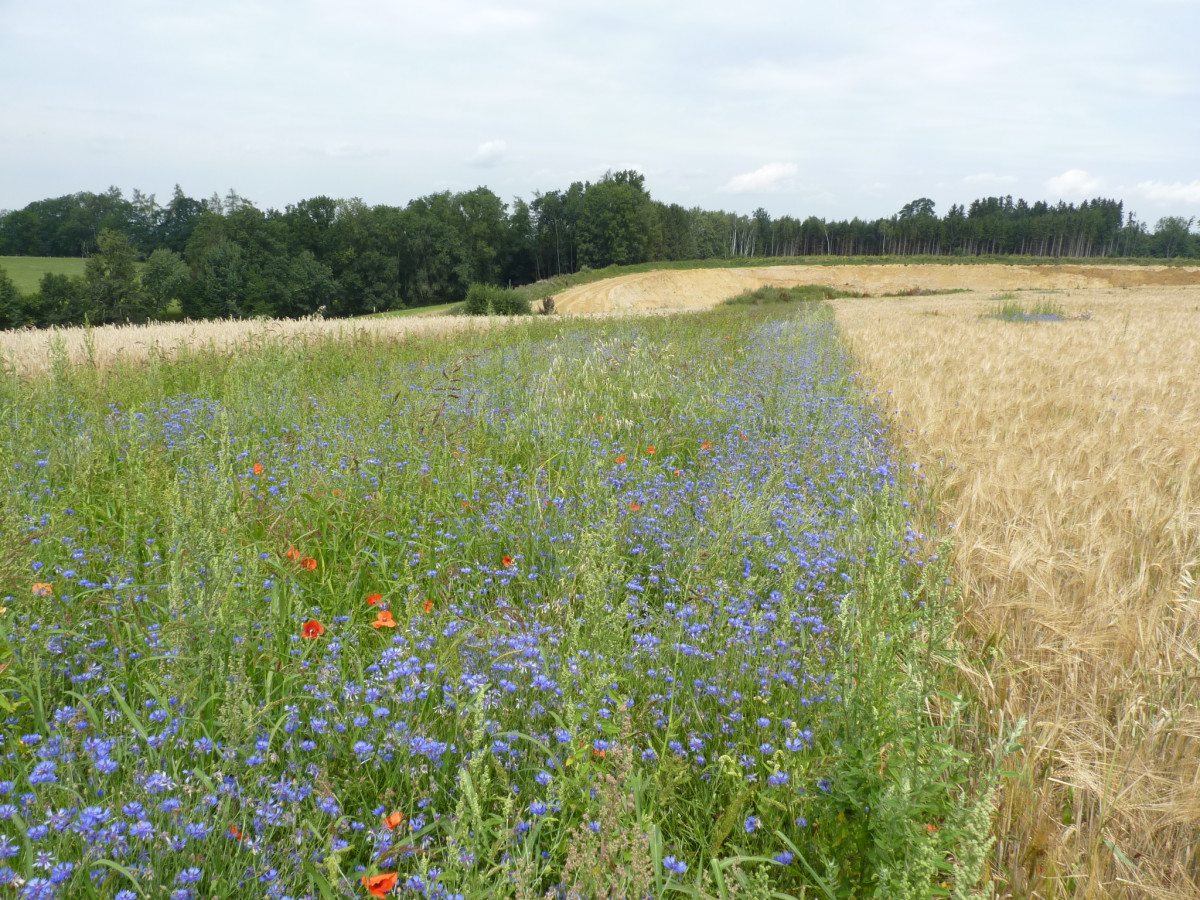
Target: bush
{"x":488,"y":299}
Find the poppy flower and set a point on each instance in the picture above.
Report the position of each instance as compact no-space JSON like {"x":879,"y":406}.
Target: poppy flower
{"x":312,"y":629}
{"x":292,"y":553}
{"x":393,"y":820}
{"x":258,"y":468}
{"x":707,"y":445}
{"x":383,"y":620}
{"x":43,"y":589}
{"x":506,"y":561}
{"x":308,"y":564}
{"x":379,"y":885}
{"x":235,"y":832}
{"x":373,"y":599}
{"x":620,"y":459}
{"x":650,"y":451}
{"x":634,"y":506}
{"x":427,"y":605}
{"x":678,"y":472}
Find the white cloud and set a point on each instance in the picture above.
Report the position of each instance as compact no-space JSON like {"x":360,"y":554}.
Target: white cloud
{"x":488,"y":153}
{"x":1074,"y":183}
{"x":989,"y":178}
{"x":1173,"y":192}
{"x":768,"y":179}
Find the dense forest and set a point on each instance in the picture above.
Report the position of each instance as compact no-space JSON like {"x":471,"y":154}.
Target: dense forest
{"x":224,"y":256}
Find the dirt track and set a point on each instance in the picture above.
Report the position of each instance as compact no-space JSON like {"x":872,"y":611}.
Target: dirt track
{"x":682,"y":288}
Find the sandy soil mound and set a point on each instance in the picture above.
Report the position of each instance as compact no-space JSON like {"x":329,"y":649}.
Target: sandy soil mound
{"x":677,"y":289}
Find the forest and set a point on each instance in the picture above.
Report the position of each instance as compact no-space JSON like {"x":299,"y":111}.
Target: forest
{"x":225,"y":257}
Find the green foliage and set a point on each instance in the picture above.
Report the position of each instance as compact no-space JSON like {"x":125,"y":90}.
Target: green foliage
{"x":114,"y":289}
{"x":165,"y":279}
{"x":616,"y":221}
{"x":60,"y":300}
{"x":10,"y":302}
{"x":489,"y":300}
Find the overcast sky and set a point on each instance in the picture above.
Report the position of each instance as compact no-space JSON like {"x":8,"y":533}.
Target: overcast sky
{"x":830,"y":109}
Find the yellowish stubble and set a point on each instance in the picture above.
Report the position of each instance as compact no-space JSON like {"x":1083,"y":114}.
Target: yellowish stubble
{"x":1068,"y":456}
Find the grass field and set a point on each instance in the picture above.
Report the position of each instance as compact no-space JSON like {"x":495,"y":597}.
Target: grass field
{"x":438,"y":309}
{"x":27,"y":271}
{"x":1067,"y":452}
{"x":573,"y":609}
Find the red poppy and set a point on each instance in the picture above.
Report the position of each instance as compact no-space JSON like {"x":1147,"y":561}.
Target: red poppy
{"x":506,"y":561}
{"x":743,"y":435}
{"x":634,"y":506}
{"x":292,"y":553}
{"x":379,"y":885}
{"x":43,"y":589}
{"x":650,"y":451}
{"x":235,"y":832}
{"x":312,"y":629}
{"x":308,"y":564}
{"x":931,"y":828}
{"x":620,"y":459}
{"x":374,"y":599}
{"x":383,"y":619}
{"x":678,"y":472}
{"x":427,"y":605}
{"x":258,"y":468}
{"x":707,"y":445}
{"x":393,"y":820}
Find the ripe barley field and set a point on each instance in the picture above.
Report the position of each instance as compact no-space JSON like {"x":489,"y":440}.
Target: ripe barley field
{"x":1067,"y":453}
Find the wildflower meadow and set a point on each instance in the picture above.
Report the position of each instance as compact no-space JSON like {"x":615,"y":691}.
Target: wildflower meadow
{"x":568,"y":609}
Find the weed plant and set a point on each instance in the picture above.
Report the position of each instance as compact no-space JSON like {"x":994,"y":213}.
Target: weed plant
{"x":805,"y":293}
{"x":1010,"y":309}
{"x":611,"y":609}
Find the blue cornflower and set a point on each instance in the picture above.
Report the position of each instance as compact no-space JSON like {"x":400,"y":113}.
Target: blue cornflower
{"x":538,"y":808}
{"x":39,"y":889}
{"x":751,"y":824}
{"x":671,"y":864}
{"x":785,"y":858}
{"x":189,"y":876}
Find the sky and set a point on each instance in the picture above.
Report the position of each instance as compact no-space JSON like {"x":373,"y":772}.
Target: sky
{"x":828,"y":109}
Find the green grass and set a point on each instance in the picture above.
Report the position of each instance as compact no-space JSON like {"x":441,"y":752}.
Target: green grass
{"x":807,"y":293}
{"x":437,"y":309}
{"x":1010,"y":309}
{"x":27,"y":271}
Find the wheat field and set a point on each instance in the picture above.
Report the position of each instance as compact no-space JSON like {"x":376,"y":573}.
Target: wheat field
{"x":1067,"y":454}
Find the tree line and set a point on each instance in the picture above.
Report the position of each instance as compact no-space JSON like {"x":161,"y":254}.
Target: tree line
{"x":225,"y":257}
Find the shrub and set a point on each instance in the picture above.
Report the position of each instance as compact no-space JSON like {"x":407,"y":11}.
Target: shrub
{"x":488,"y":299}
